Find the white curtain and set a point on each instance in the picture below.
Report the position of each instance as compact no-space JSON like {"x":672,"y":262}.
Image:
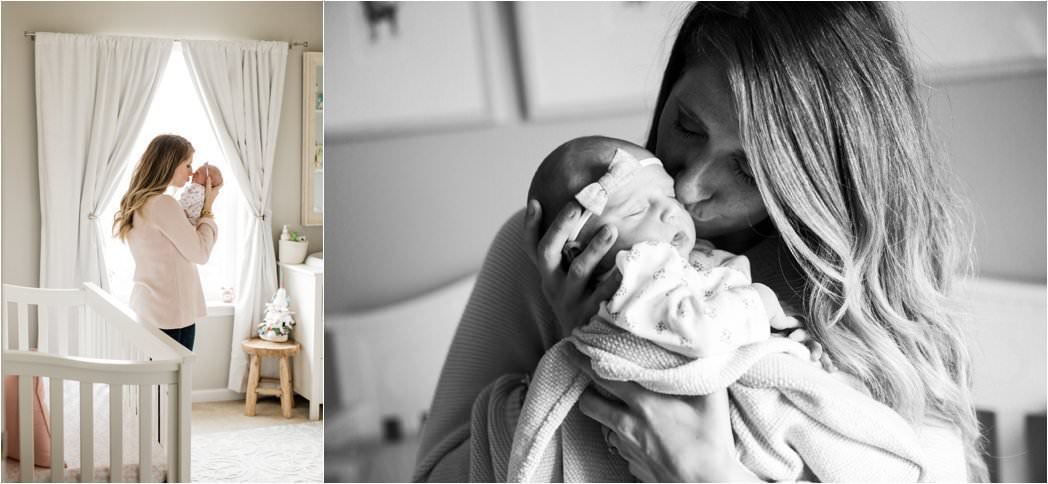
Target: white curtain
{"x":92,"y":96}
{"x":242,"y":86}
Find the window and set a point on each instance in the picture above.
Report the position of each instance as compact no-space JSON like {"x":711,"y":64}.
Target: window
{"x":177,"y":109}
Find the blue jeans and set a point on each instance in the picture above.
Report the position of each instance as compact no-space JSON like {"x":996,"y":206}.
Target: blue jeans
{"x":185,"y":336}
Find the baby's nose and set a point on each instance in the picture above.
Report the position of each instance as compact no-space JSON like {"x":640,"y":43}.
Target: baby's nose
{"x":669,"y":212}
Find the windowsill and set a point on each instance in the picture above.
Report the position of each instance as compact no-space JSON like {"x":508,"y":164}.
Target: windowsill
{"x":219,"y":308}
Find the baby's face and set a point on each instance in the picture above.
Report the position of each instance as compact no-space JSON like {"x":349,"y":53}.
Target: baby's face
{"x":645,"y":209}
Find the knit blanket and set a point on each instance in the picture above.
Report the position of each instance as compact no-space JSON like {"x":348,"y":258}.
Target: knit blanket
{"x":791,"y":419}
{"x":506,"y":330}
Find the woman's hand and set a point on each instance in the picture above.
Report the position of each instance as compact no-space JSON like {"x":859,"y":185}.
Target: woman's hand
{"x":570,"y":292}
{"x":665,"y":438}
{"x":210,"y":193}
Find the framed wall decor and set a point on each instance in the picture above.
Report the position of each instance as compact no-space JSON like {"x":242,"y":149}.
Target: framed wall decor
{"x":405,"y":66}
{"x":313,"y":138}
{"x":584,"y":58}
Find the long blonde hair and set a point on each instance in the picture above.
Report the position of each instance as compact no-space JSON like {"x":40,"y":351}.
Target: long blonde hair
{"x":839,"y":143}
{"x":154,"y":171}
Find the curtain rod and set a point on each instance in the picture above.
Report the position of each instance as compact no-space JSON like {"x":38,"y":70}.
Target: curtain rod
{"x":290,"y":45}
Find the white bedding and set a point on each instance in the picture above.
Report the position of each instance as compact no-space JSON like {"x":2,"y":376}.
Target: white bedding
{"x":71,"y":440}
{"x":386,"y":362}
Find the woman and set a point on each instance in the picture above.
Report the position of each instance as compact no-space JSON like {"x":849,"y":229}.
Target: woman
{"x":166,"y":248}
{"x":796,"y":137}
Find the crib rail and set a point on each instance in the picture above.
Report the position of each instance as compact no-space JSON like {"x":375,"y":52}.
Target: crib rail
{"x":104,"y":343}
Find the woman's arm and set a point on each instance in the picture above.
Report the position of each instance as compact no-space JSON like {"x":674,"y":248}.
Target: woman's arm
{"x":505,"y":329}
{"x":194,"y":243}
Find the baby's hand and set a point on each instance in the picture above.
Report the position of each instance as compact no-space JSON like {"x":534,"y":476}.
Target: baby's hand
{"x":818,"y":356}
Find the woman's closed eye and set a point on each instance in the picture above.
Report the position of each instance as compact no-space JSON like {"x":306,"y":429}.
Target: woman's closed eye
{"x":742,"y":172}
{"x":687,"y":125}
{"x":687,"y":130}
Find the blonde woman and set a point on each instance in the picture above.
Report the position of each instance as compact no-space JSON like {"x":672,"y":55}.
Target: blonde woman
{"x":796,"y":136}
{"x":166,"y":248}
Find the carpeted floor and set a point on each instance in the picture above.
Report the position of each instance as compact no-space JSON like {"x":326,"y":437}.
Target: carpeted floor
{"x":231,"y":447}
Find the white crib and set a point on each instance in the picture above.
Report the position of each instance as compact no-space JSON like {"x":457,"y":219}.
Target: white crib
{"x":86,"y":337}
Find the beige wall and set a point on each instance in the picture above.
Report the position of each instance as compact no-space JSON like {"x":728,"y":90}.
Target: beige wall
{"x":285,"y":21}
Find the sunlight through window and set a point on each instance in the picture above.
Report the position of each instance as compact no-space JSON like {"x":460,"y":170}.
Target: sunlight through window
{"x":178,"y":109}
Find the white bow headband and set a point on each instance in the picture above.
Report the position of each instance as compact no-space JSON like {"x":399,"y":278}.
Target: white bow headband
{"x":594,"y":197}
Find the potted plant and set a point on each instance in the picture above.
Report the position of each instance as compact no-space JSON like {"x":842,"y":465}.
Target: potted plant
{"x":293,"y":247}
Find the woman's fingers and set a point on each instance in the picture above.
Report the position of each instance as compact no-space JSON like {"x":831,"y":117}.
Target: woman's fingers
{"x":582,"y":267}
{"x":609,"y":414}
{"x":816,"y":350}
{"x":532,"y":234}
{"x":641,"y":473}
{"x":552,"y":242}
{"x":799,"y":335}
{"x":606,"y":288}
{"x":827,"y":363}
{"x":618,"y":427}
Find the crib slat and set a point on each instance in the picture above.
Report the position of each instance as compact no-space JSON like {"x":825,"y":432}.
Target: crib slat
{"x":185,"y":395}
{"x":172,"y":433}
{"x":43,"y":329}
{"x":23,"y":327}
{"x":145,"y":434}
{"x":87,"y":432}
{"x":63,"y":331}
{"x":116,"y":433}
{"x":25,"y":426}
{"x":57,"y":433}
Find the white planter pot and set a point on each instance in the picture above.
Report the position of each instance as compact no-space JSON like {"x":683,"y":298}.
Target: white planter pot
{"x":293,"y":252}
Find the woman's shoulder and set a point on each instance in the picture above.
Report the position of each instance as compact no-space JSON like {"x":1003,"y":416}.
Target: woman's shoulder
{"x":944,"y":450}
{"x":160,"y":200}
{"x":160,"y":205}
{"x":941,"y":441}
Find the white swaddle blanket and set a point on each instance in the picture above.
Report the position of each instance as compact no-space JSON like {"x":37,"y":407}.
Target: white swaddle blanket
{"x":791,"y":419}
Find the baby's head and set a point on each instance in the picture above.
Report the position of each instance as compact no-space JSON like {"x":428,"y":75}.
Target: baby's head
{"x":640,"y":198}
{"x":201,"y":174}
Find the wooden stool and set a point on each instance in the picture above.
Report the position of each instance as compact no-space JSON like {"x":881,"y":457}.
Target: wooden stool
{"x":258,"y":349}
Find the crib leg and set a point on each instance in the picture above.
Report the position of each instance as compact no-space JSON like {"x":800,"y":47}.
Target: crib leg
{"x":252,"y":386}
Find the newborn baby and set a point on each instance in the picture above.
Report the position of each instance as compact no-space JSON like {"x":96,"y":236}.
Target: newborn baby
{"x":677,"y":292}
{"x":192,"y":197}
{"x":686,"y":320}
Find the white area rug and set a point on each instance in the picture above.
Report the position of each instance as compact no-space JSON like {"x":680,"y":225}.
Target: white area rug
{"x":285,"y":453}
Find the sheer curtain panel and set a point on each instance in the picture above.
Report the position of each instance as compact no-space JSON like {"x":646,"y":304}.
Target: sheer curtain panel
{"x":242,"y":86}
{"x":92,"y":96}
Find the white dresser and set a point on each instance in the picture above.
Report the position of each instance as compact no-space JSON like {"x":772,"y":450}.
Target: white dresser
{"x":305,"y":287}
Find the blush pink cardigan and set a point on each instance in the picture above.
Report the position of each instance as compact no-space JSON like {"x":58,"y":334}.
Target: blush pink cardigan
{"x":167,"y":249}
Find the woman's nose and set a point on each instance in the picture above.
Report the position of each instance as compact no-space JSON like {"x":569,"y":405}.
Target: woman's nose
{"x":692,"y":185}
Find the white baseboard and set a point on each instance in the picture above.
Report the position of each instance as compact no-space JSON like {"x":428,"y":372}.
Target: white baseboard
{"x":216,"y":395}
